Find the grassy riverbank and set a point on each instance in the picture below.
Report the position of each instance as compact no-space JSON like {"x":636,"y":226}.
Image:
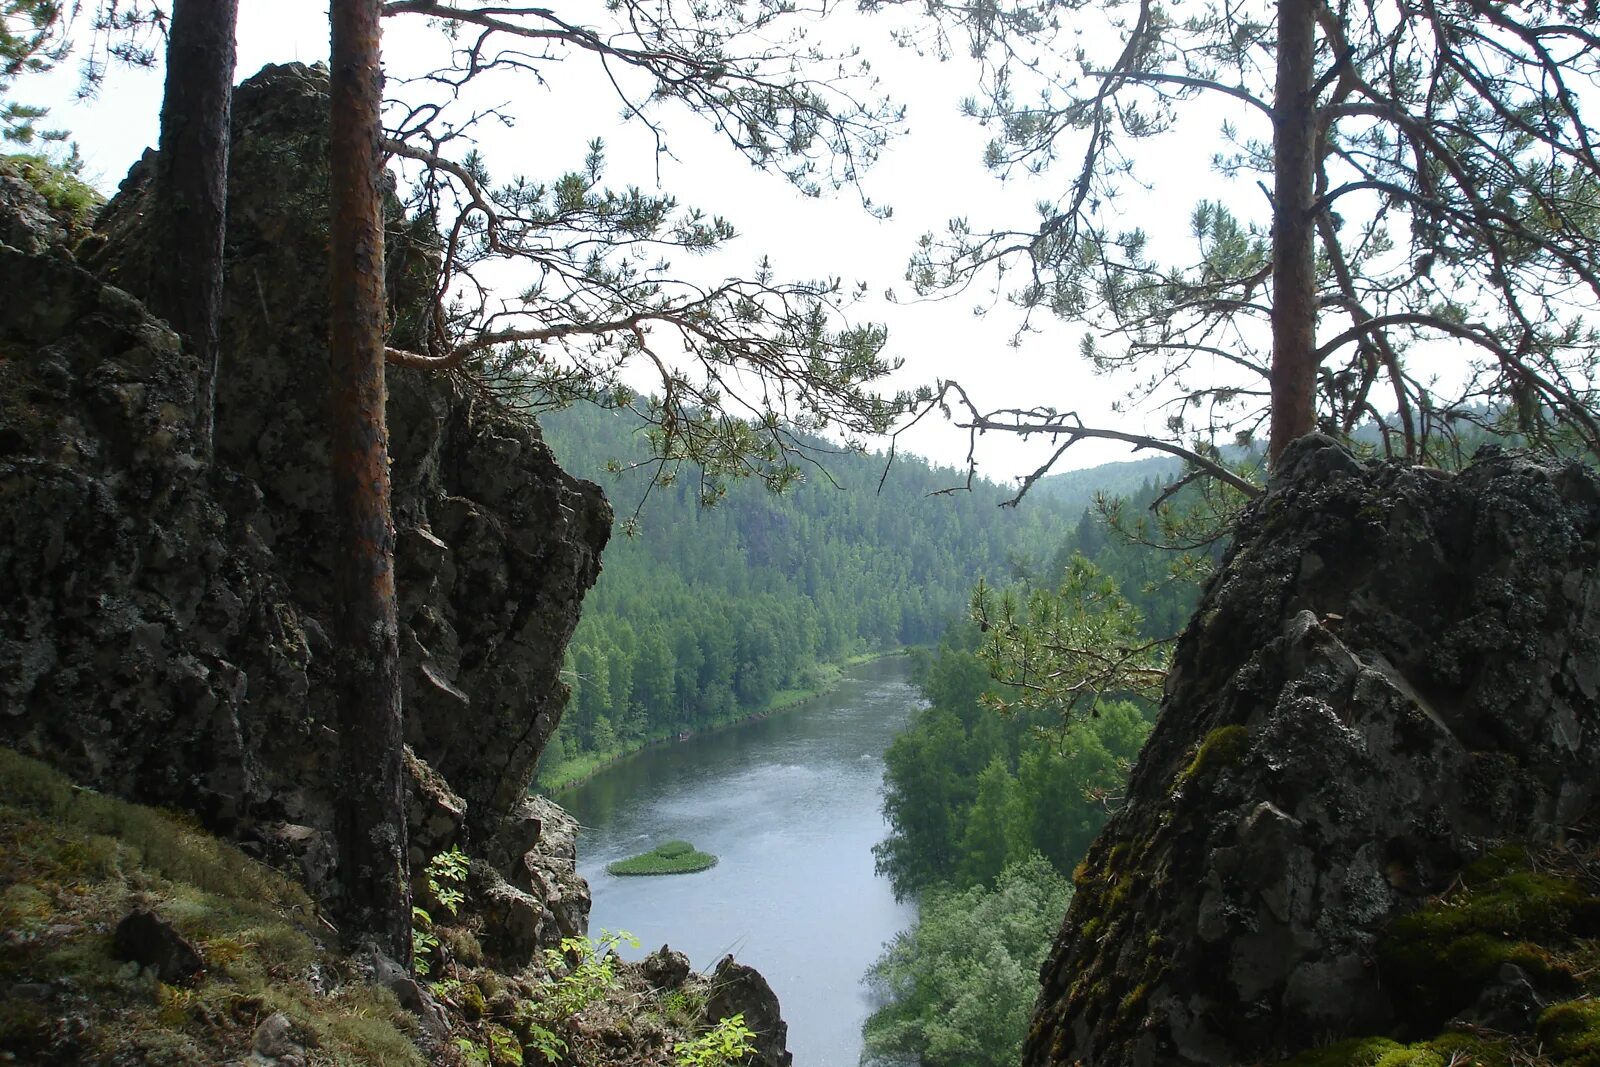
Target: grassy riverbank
{"x":570,"y":772}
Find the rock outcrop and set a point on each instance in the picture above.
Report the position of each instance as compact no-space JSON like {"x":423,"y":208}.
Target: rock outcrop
{"x":740,"y":990}
{"x":163,"y":621}
{"x":1395,"y":671}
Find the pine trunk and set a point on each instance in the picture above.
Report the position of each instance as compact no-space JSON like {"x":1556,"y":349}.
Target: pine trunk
{"x":372,"y":832}
{"x":1294,"y":289}
{"x":192,"y":188}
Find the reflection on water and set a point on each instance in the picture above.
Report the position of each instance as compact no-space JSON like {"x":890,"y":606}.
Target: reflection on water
{"x":790,"y":807}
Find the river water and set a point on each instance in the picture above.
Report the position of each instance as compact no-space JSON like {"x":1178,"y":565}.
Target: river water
{"x":790,"y":806}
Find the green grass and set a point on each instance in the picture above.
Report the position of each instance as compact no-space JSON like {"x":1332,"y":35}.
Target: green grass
{"x":672,"y":857}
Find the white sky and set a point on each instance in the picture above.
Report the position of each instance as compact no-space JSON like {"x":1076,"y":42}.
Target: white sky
{"x":932,"y":173}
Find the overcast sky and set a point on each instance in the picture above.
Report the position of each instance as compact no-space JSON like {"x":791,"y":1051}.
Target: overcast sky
{"x":928,"y":175}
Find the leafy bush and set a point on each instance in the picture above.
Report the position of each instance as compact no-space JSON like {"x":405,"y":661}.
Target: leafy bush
{"x":962,"y":982}
{"x":726,"y":1043}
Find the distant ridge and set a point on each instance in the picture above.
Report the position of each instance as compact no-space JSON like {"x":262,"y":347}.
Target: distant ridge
{"x":1076,"y":489}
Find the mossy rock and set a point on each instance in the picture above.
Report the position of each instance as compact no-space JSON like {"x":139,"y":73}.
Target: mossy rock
{"x":1221,"y":747}
{"x":1510,"y":907}
{"x":72,"y":201}
{"x":1441,"y":957}
{"x":1457,"y":1049}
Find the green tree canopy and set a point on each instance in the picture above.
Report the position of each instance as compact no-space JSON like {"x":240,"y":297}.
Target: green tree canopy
{"x":962,"y":982}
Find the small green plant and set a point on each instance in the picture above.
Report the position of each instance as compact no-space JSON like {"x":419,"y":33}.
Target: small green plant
{"x":542,"y":1040}
{"x":681,"y":1007}
{"x":591,"y":972}
{"x":424,"y":942}
{"x":447,"y":875}
{"x":504,"y":1048}
{"x":472,"y":1053}
{"x":581,"y":972}
{"x":726,"y":1043}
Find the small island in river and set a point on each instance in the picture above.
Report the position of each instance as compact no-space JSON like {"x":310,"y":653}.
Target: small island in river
{"x":673,"y":857}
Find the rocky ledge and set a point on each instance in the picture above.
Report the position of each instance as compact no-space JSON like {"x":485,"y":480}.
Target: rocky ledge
{"x":1388,"y":703}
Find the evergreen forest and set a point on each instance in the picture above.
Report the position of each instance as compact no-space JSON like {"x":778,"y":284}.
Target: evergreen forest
{"x":708,"y":614}
{"x":992,"y":802}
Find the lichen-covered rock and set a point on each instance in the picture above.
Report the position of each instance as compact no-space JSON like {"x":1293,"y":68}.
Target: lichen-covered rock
{"x":26,"y":222}
{"x":164,"y":622}
{"x":548,"y":866}
{"x":1394,"y":669}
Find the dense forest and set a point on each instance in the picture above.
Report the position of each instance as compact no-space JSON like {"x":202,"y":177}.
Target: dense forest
{"x":990,"y":811}
{"x":707,"y":614}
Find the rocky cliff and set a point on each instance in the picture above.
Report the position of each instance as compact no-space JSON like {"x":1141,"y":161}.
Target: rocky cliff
{"x":1384,"y":715}
{"x":163,"y":638}
{"x":163,"y":622}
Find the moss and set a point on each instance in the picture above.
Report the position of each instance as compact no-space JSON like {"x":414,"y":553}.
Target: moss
{"x":1131,"y":1009}
{"x":1570,"y":1032}
{"x":473,"y":1003}
{"x":462,"y":944}
{"x":81,"y":861}
{"x":1221,"y":747}
{"x":1441,"y":956}
{"x":1368,"y":1052}
{"x":1410,"y":1057}
{"x":1510,"y":907}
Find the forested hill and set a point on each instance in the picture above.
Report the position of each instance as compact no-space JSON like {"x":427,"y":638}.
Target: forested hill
{"x":706,"y":614}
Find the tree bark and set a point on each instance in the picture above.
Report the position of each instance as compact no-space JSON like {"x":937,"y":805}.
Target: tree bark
{"x":1294,"y":288}
{"x":372,"y":832}
{"x":192,"y":188}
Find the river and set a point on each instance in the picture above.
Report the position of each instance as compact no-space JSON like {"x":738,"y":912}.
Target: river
{"x":790,"y":806}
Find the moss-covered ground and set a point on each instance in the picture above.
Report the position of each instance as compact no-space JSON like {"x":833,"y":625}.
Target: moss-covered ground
{"x":74,"y":863}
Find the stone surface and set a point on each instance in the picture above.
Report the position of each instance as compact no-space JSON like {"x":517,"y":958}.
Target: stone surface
{"x":26,"y":222}
{"x":737,"y":989}
{"x":147,"y":939}
{"x":1394,"y":669}
{"x":665,"y":968}
{"x":274,"y":1043}
{"x":548,"y":868}
{"x":164,"y":622}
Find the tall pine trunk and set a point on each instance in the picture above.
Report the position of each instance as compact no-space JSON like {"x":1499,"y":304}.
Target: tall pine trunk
{"x":192,"y":188}
{"x":372,"y":832}
{"x":1294,"y":289}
